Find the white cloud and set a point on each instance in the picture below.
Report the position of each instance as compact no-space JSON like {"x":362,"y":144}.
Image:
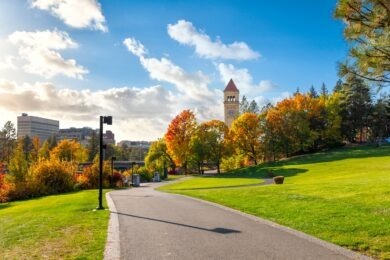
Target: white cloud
{"x":75,"y":13}
{"x":138,"y":113}
{"x":40,"y":51}
{"x":191,"y":85}
{"x":135,"y":47}
{"x":8,"y":63}
{"x":192,"y":88}
{"x":244,"y":80}
{"x":185,"y":33}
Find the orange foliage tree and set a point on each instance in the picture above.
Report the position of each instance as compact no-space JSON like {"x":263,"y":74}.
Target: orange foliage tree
{"x":246,"y":133}
{"x":178,"y":137}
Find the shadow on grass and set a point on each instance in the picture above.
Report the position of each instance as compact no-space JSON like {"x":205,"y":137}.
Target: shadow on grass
{"x":225,"y":187}
{"x":5,"y":205}
{"x":219,"y":230}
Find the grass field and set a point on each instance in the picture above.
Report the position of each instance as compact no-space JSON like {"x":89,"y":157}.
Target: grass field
{"x":54,"y":227}
{"x":342,"y":196}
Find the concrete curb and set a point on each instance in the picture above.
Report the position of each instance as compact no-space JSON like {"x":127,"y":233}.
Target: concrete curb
{"x":112,"y":249}
{"x":335,"y":248}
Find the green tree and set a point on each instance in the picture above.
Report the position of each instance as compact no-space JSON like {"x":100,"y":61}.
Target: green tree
{"x":356,"y":107}
{"x":244,"y":105}
{"x":18,"y":165}
{"x":367,"y":28}
{"x":158,"y":156}
{"x":93,"y":146}
{"x":312,"y":92}
{"x":7,"y":139}
{"x":44,"y":151}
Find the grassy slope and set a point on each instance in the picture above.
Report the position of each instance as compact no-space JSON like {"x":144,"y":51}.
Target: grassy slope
{"x":53,"y":227}
{"x":341,"y":196}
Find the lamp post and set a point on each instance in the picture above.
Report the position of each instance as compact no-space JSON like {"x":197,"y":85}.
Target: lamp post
{"x":103,"y":120}
{"x":113,"y":158}
{"x":132,"y":173}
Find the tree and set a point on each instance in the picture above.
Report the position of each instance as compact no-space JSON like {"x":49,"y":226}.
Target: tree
{"x":7,"y":138}
{"x":244,"y":105}
{"x":69,"y":150}
{"x":18,"y":165}
{"x":381,"y":119}
{"x":253,"y":107}
{"x":356,"y":106}
{"x":36,"y":146}
{"x":324,"y":90}
{"x":368,"y":30}
{"x":312,"y":92}
{"x":216,"y":133}
{"x":246,"y":133}
{"x":158,"y":156}
{"x":178,"y":137}
{"x":44,"y":151}
{"x":208,"y":143}
{"x":93,"y":146}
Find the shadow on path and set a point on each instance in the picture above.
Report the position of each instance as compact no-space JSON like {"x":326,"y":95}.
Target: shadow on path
{"x":218,"y":230}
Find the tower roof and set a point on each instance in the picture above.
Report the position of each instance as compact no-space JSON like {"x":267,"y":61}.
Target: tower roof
{"x":231,"y":87}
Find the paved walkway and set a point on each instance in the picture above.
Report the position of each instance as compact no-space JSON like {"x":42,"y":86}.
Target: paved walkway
{"x":157,"y":225}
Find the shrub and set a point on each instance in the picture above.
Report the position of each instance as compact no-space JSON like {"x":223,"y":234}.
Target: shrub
{"x":116,"y":179}
{"x":52,"y":177}
{"x":145,"y":174}
{"x":6,"y":188}
{"x":279,"y":179}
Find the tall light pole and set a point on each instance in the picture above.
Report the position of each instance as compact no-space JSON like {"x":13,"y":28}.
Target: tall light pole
{"x":103,"y":120}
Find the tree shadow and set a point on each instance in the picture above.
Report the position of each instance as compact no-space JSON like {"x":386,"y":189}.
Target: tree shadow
{"x":5,"y":205}
{"x":219,"y":230}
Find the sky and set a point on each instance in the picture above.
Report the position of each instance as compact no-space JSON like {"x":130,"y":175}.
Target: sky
{"x":143,"y":62}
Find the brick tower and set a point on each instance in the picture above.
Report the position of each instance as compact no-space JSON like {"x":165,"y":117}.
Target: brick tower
{"x":231,"y":102}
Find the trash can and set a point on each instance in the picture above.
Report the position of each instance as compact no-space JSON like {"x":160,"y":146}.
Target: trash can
{"x":136,"y":180}
{"x":156,"y":177}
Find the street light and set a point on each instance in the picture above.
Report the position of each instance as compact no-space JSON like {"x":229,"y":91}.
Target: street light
{"x":113,"y":158}
{"x":132,"y":173}
{"x":103,"y":120}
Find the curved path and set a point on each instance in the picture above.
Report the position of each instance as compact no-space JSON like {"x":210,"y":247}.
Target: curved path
{"x":156,"y":225}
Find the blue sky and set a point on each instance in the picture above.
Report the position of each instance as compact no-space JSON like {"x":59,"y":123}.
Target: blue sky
{"x":68,"y":60}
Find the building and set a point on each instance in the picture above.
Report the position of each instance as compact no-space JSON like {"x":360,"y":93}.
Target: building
{"x":36,"y":126}
{"x":109,"y":137}
{"x":231,"y":103}
{"x":134,"y":144}
{"x":82,"y":135}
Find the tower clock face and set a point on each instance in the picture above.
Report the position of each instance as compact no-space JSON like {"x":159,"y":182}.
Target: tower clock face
{"x":231,"y":112}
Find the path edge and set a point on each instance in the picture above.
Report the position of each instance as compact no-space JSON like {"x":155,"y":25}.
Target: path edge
{"x":112,"y":248}
{"x":333,"y":247}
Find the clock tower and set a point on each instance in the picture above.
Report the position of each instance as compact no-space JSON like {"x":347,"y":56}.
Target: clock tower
{"x":231,"y":103}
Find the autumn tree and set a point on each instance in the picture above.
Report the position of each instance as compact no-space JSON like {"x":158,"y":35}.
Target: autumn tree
{"x":246,"y":134}
{"x":178,"y":137}
{"x":44,"y":151}
{"x":216,"y":141}
{"x":35,"y":147}
{"x":367,"y":28}
{"x":69,"y":150}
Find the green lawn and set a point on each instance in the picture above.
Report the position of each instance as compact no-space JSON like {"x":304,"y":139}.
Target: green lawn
{"x":341,"y":196}
{"x":54,"y":227}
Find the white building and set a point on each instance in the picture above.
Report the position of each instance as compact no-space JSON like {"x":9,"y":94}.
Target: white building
{"x":36,"y":126}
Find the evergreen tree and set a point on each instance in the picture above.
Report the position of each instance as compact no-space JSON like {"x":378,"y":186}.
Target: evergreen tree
{"x":93,"y":146}
{"x":324,"y":90}
{"x":7,"y":141}
{"x":312,"y":92}
{"x":244,"y":105}
{"x":367,"y":27}
{"x":253,"y":107}
{"x":356,"y":106}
